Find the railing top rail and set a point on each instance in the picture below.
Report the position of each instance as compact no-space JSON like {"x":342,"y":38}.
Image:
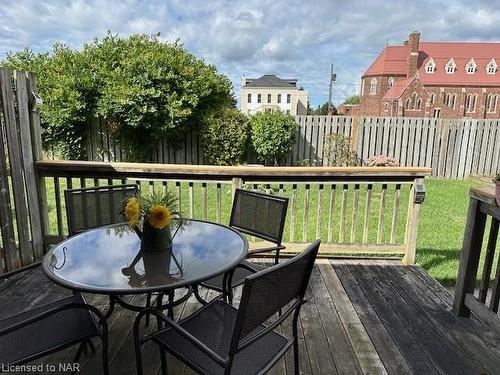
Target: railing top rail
{"x":63,"y":168}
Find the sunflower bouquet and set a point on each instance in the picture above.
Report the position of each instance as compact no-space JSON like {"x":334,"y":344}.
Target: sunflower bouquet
{"x":157,"y":212}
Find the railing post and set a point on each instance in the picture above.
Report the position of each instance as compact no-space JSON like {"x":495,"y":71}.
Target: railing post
{"x":236,"y":183}
{"x":417,"y":195}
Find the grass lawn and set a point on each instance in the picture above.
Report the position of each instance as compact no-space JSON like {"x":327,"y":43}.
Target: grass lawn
{"x":441,"y":229}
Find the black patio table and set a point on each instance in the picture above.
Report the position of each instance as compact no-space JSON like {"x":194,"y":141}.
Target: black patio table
{"x":108,"y":260}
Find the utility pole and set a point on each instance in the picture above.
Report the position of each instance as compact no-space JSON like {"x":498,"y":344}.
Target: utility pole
{"x":333,"y":78}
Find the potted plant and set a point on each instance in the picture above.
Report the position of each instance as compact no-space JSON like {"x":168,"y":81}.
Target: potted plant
{"x":497,"y":188}
{"x":157,"y":212}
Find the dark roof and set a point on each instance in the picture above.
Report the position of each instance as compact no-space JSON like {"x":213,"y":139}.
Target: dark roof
{"x":270,"y":80}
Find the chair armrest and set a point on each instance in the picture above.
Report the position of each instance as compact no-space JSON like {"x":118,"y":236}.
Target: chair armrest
{"x":253,"y":252}
{"x":6,"y":275}
{"x":179,"y":330}
{"x":55,"y":310}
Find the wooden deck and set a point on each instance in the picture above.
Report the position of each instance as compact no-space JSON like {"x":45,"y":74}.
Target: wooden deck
{"x":363,"y":316}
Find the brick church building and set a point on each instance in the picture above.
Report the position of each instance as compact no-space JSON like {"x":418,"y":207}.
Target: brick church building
{"x":433,"y":79}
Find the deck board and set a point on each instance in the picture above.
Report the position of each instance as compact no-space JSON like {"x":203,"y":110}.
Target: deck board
{"x":362,"y":316}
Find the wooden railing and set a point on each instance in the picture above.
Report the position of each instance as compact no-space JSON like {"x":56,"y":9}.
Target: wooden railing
{"x":482,"y":204}
{"x":353,"y":210}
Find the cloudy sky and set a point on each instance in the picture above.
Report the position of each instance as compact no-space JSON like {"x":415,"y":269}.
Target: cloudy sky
{"x":293,"y":39}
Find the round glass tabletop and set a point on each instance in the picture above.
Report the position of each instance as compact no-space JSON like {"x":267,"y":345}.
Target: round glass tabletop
{"x":107,"y":260}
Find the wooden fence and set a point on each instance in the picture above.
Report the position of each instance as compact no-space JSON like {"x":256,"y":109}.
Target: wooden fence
{"x":21,"y":215}
{"x":452,"y":148}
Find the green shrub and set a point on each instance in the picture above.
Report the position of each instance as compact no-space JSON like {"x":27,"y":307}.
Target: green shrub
{"x":338,"y":151}
{"x":224,"y":137}
{"x":273,"y":136}
{"x":146,"y":87}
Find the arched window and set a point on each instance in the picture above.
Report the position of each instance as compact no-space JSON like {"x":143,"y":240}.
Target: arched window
{"x":430,"y":66}
{"x":470,"y":103}
{"x":390,"y":82}
{"x":470,"y":67}
{"x":491,"y":68}
{"x":373,"y":86}
{"x":491,"y":103}
{"x":407,"y":104}
{"x":362,"y":86}
{"x":419,"y":104}
{"x":432,"y":97}
{"x":447,"y":99}
{"x":450,"y":66}
{"x":414,"y":98}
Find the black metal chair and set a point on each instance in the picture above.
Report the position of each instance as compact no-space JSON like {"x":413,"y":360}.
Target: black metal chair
{"x":256,"y":214}
{"x":92,"y":207}
{"x":220,"y":339}
{"x":51,"y":327}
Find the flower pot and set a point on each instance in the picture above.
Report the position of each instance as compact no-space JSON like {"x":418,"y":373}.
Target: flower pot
{"x":155,"y":239}
{"x":497,"y":192}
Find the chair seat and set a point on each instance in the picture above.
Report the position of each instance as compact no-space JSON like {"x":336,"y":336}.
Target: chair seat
{"x":44,"y":336}
{"x":213,"y":325}
{"x":239,"y":276}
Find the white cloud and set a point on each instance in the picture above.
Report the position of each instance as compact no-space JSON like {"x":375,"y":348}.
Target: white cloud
{"x":294,"y":38}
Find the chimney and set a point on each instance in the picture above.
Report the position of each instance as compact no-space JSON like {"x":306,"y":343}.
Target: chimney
{"x":411,"y":62}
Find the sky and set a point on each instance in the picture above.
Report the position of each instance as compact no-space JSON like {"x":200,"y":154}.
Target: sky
{"x":292,"y":39}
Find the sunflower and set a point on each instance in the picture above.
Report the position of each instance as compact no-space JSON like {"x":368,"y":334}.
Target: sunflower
{"x":159,"y":216}
{"x":132,"y":211}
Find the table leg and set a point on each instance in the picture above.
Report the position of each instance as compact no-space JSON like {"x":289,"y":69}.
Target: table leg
{"x":197,"y":295}
{"x":112,"y":302}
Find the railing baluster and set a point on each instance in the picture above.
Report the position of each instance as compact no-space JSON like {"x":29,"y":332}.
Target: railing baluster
{"x":319,"y":211}
{"x":381,"y":214}
{"x":164,"y":187}
{"x":57,"y":193}
{"x":354,"y":216}
{"x":395,"y":213}
{"x":218,"y":203}
{"x":293,"y":212}
{"x":305,"y":217}
{"x":151,"y":186}
{"x":85,"y":215}
{"x":488,"y":260}
{"x":191,"y":200}
{"x":343,"y":209}
{"x":331,"y":212}
{"x":178,"y":193}
{"x":366,"y":223}
{"x":204,"y":201}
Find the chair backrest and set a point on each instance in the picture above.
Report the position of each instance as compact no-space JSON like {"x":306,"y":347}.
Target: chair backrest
{"x":260,"y":215}
{"x":93,"y":207}
{"x":268,"y":291}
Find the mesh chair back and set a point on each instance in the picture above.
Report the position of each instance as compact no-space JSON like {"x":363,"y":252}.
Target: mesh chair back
{"x":266,"y":292}
{"x":259,"y":215}
{"x":93,"y":207}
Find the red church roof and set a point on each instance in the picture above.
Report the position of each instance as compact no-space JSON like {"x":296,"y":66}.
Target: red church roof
{"x":392,"y":60}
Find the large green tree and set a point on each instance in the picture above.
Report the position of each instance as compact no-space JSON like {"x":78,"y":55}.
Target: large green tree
{"x":146,"y":87}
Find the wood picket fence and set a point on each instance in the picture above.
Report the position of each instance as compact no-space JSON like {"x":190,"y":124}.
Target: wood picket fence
{"x":452,"y":148}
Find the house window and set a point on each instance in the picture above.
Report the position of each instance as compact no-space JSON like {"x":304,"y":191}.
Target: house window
{"x":491,"y":68}
{"x":450,"y":100}
{"x":288,"y":111}
{"x":470,"y":103}
{"x":390,"y":82}
{"x":373,"y":86}
{"x":430,"y":66}
{"x":407,"y":104}
{"x":432,"y":98}
{"x":259,"y":98}
{"x":419,"y":104}
{"x":268,"y":98}
{"x":288,"y":98}
{"x":470,"y":67}
{"x":362,"y":87}
{"x":414,"y":98}
{"x":279,"y":98}
{"x":450,"y":66}
{"x":491,"y":103}
{"x":437,"y":113}
{"x":249,"y":98}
